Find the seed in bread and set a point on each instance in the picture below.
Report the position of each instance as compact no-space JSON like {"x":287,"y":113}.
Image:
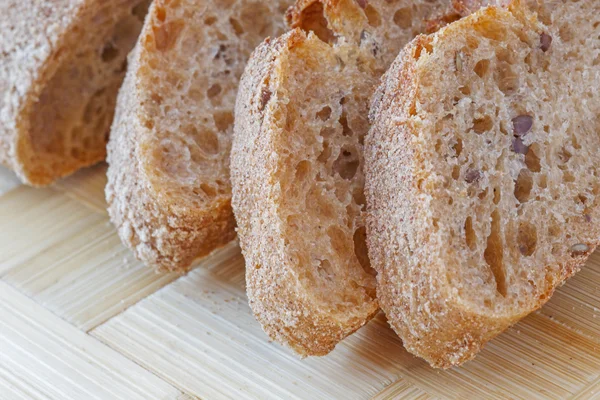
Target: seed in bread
{"x":482,"y":173}
{"x":297,"y":166}
{"x":61,"y":66}
{"x":168,"y":179}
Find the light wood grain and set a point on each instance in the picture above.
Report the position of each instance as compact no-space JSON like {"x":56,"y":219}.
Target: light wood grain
{"x":44,"y":357}
{"x":403,"y":390}
{"x":203,"y":320}
{"x":86,"y":186}
{"x":199,"y":334}
{"x":69,"y":258}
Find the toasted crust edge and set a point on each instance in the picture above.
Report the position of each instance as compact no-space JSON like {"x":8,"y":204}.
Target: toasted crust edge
{"x":459,"y":334}
{"x":166,"y":234}
{"x":284,"y":313}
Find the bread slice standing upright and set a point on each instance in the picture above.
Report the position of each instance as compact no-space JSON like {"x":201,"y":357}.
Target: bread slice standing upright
{"x":168,"y":180}
{"x":297,"y":165}
{"x":482,"y":173}
{"x":61,"y":65}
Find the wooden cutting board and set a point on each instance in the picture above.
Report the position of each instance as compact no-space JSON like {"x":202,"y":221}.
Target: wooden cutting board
{"x":80,"y":318}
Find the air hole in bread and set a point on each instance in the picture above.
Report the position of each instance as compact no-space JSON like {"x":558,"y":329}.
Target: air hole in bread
{"x":161,"y":13}
{"x":568,"y":177}
{"x":360,"y":249}
{"x":497,"y":195}
{"x":347,"y":163}
{"x":482,"y":68}
{"x":508,"y":80}
{"x":237,"y":27}
{"x":472,"y":42}
{"x":456,"y":172}
{"x":324,"y":113}
{"x":470,"y":235}
{"x":565,"y":33}
{"x":359,"y":197}
{"x":325,"y":153}
{"x":109,"y":52}
{"x":532,"y":160}
{"x":466,"y":90}
{"x":346,"y":130}
{"x":372,"y":16}
{"x":302,"y":170}
{"x":564,"y":155}
{"x":458,"y":147}
{"x":491,"y":30}
{"x":313,"y":19}
{"x":526,"y":238}
{"x":210,"y":20}
{"x":325,"y":270}
{"x":166,"y":34}
{"x":223,"y":120}
{"x":205,"y":138}
{"x":338,"y":238}
{"x":493,"y":254}
{"x":208,"y":190}
{"x":542,"y":181}
{"x":423,"y":44}
{"x":481,"y":125}
{"x":523,"y":185}
{"x":213,"y":91}
{"x":403,"y":18}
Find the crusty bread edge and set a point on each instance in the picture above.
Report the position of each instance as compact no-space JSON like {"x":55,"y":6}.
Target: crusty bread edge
{"x":459,"y":335}
{"x":164,"y":233}
{"x":285,"y":314}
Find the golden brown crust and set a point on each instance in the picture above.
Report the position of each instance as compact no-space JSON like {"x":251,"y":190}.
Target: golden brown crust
{"x":285,"y":308}
{"x":426,"y":311}
{"x":35,"y":142}
{"x":168,"y":180}
{"x":300,"y":122}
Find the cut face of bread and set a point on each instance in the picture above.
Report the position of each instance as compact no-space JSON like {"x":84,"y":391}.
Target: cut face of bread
{"x":168,"y":179}
{"x":61,"y":66}
{"x":297,"y":166}
{"x":482,"y":173}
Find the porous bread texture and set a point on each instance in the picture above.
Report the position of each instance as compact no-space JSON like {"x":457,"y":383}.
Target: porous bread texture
{"x":482,"y":173}
{"x":297,"y":166}
{"x":168,"y":188}
{"x":61,"y":66}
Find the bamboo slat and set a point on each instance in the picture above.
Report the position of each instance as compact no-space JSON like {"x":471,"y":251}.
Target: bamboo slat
{"x":44,"y":357}
{"x":86,"y":186}
{"x":203,"y":321}
{"x":68,"y":257}
{"x":199,"y":334}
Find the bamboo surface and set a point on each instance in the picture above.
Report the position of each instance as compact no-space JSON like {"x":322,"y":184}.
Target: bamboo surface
{"x":80,"y":318}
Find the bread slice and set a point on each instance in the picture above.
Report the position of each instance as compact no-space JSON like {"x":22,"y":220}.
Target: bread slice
{"x":61,"y":66}
{"x":297,"y":166}
{"x":168,"y":188}
{"x":482,"y":173}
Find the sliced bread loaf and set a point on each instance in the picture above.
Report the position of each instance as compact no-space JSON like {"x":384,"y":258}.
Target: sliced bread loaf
{"x":297,"y":165}
{"x":168,"y":179}
{"x":61,"y":66}
{"x":482,"y":173}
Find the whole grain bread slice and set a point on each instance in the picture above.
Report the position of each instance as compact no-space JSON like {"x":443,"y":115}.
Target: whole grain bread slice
{"x":168,"y":188}
{"x":61,"y":66}
{"x":482,"y":173}
{"x":297,"y":165}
